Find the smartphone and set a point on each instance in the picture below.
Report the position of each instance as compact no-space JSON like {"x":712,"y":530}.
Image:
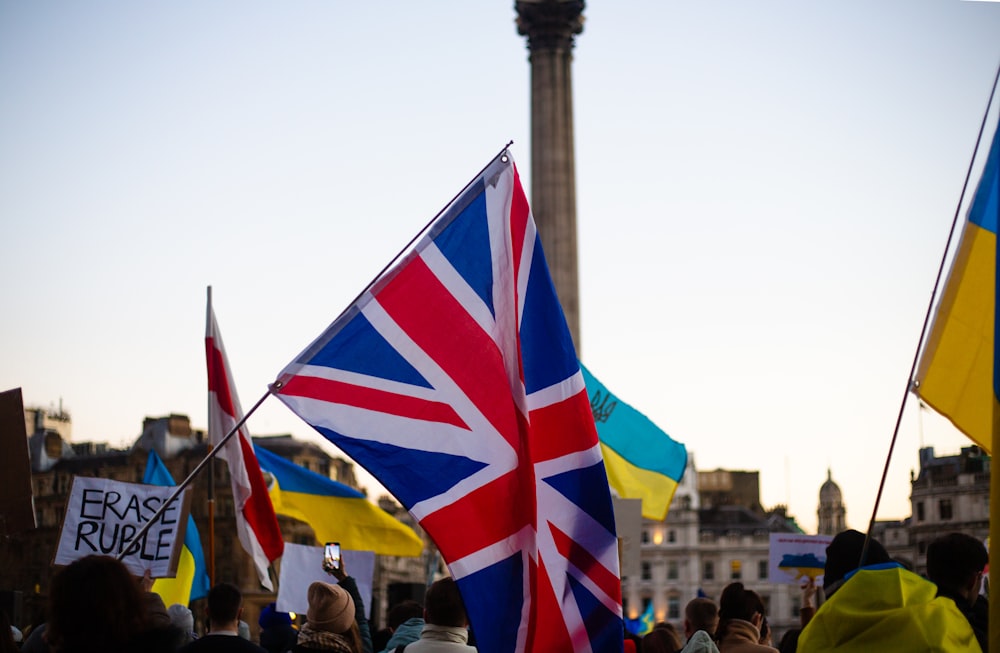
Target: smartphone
{"x":331,"y":555}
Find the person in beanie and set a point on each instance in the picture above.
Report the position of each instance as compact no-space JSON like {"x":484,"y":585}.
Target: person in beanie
{"x":335,"y":620}
{"x":276,"y":632}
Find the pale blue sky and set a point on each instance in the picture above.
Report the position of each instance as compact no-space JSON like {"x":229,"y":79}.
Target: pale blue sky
{"x":764,"y":192}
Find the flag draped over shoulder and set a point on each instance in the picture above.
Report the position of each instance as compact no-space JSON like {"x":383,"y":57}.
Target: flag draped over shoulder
{"x":336,"y":512}
{"x":642,"y":461}
{"x":256,"y":524}
{"x":191,"y":581}
{"x":955,"y":375}
{"x":454,"y":381}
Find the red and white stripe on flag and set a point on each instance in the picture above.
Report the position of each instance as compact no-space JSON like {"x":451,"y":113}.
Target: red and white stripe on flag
{"x":256,"y":522}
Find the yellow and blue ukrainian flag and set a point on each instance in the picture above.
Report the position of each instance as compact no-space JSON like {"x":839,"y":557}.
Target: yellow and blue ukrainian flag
{"x":191,"y":581}
{"x":336,"y":512}
{"x":956,"y":372}
{"x":642,"y":461}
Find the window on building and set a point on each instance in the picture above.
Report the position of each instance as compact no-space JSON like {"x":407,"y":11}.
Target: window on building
{"x":944,"y":509}
{"x":762,"y":570}
{"x":672,"y":570}
{"x":735,"y":570}
{"x":708,"y":570}
{"x":647,"y":571}
{"x":796,"y":606}
{"x":673,"y":607}
{"x":645,"y":536}
{"x":920,"y":511}
{"x":671,"y":536}
{"x":922,"y":548}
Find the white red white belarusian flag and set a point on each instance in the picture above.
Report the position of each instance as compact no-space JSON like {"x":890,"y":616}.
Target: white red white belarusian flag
{"x":255,"y":520}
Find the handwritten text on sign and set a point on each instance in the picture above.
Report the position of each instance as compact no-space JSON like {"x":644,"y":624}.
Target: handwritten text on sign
{"x":103,"y":517}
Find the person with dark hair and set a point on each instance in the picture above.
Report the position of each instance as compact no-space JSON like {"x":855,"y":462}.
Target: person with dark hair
{"x":955,"y":563}
{"x":405,"y":621}
{"x":700,"y":614}
{"x":224,"y":608}
{"x":741,"y":615}
{"x":97,"y":606}
{"x":660,"y":640}
{"x":447,"y":627}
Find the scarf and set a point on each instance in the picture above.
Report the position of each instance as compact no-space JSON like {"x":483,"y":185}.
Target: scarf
{"x":322,"y":640}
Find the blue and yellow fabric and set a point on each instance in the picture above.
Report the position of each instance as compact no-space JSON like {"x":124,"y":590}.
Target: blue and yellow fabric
{"x":889,"y":610}
{"x":336,"y":512}
{"x":191,"y":581}
{"x":956,"y":372}
{"x":641,"y":460}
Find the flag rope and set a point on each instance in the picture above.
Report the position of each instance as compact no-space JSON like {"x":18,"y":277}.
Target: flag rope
{"x":910,"y":383}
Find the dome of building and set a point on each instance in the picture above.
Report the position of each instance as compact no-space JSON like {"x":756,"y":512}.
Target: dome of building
{"x":829,"y":492}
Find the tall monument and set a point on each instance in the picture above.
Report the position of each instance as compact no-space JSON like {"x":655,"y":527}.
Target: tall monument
{"x":550,"y":26}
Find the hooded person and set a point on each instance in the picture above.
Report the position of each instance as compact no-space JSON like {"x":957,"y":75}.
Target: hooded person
{"x":843,"y":557}
{"x":881,"y":606}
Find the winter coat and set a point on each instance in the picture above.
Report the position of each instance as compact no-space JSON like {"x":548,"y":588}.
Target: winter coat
{"x":742,"y":637}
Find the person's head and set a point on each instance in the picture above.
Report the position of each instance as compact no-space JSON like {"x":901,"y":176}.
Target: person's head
{"x":271,"y":619}
{"x":443,"y":604}
{"x":660,"y":640}
{"x":95,"y":605}
{"x":225,"y":605}
{"x":737,"y":602}
{"x":843,"y":555}
{"x":331,"y":608}
{"x":182,"y":619}
{"x":403,"y":612}
{"x":955,"y":563}
{"x":700,"y":614}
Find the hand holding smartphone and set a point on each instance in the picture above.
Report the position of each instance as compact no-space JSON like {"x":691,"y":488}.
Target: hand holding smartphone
{"x":331,"y":556}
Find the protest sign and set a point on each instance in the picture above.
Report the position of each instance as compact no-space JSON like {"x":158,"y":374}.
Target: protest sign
{"x":301,"y":565}
{"x":795,"y":556}
{"x":103,"y":517}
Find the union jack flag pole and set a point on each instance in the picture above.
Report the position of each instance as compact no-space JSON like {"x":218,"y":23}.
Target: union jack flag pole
{"x":453,"y":379}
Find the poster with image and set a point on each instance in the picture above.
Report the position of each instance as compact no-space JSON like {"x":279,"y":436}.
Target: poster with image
{"x":795,"y":557}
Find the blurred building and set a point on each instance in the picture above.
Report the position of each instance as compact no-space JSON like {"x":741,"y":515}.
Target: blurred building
{"x":832,"y":514}
{"x":27,"y":557}
{"x":716,"y":532}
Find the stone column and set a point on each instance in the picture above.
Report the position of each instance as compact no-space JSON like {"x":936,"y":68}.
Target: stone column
{"x":550,"y":26}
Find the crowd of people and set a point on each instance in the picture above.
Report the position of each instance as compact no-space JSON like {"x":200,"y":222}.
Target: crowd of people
{"x":867,"y":602}
{"x":870,"y":603}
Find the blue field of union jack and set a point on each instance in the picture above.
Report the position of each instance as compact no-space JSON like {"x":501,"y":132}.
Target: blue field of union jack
{"x":453,"y":379}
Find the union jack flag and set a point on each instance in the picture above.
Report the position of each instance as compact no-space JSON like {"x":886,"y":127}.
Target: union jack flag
{"x":453,"y":379}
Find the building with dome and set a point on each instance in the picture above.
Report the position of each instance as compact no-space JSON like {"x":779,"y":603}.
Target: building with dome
{"x":832,"y":513}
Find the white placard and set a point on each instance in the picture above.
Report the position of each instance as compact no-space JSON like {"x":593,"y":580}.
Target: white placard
{"x":302,"y":565}
{"x":103,"y":516}
{"x":795,"y":556}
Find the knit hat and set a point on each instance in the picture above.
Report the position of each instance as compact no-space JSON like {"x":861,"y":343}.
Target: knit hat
{"x":181,"y":617}
{"x":331,"y":608}
{"x":271,"y":618}
{"x":843,"y":555}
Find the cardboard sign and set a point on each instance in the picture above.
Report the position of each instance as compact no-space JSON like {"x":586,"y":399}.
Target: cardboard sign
{"x":301,"y":565}
{"x":795,"y":556}
{"x":103,"y":517}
